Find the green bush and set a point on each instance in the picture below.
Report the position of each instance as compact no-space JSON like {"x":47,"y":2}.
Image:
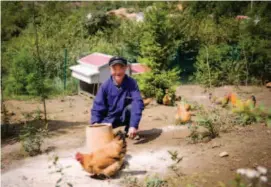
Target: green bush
{"x":19,"y":73}
{"x":57,"y":86}
{"x":32,"y":138}
{"x":223,"y":70}
{"x":248,"y":115}
{"x":153,"y":84}
{"x":211,"y":121}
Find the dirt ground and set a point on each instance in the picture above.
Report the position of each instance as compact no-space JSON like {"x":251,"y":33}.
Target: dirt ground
{"x":201,"y":165}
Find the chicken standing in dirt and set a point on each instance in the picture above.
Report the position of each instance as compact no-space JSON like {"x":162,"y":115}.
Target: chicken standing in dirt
{"x":223,"y":101}
{"x":106,"y":161}
{"x":183,"y":114}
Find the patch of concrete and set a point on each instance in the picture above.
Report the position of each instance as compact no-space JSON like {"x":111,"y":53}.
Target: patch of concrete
{"x":35,"y":171}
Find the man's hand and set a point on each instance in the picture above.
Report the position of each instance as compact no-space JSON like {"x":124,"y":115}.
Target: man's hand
{"x":132,"y":132}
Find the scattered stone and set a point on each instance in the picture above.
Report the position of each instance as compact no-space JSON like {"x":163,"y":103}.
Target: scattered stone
{"x":61,"y":110}
{"x":262,"y":170}
{"x":224,"y":154}
{"x":268,"y":132}
{"x":62,"y":100}
{"x":251,"y":173}
{"x":263,"y":179}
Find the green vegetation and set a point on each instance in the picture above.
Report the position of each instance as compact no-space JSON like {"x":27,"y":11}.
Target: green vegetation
{"x":204,"y":42}
{"x":149,"y":181}
{"x":58,"y":168}
{"x":32,"y":138}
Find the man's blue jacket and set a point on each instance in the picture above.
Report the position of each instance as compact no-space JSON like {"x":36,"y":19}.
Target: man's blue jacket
{"x":111,"y":100}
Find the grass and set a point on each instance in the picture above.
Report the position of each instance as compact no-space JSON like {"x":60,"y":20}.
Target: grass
{"x":129,"y":181}
{"x":59,"y":169}
{"x":154,"y":181}
{"x":148,"y":181}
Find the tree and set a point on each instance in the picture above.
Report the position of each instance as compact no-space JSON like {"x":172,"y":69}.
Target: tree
{"x":160,"y":39}
{"x":39,"y":76}
{"x":12,"y":20}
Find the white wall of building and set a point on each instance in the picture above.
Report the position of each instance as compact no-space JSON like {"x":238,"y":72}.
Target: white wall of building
{"x":104,"y":73}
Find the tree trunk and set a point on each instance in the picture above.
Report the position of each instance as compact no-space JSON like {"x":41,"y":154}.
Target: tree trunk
{"x":209,"y":71}
{"x":40,"y":65}
{"x":44,"y":110}
{"x":246,"y":65}
{"x":5,"y":120}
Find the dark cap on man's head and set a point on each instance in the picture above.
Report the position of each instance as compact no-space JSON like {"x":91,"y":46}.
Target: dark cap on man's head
{"x":117,"y":60}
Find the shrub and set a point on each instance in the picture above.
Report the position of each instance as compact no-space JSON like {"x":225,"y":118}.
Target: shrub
{"x":211,"y":121}
{"x":155,"y":84}
{"x":247,"y":115}
{"x":194,"y":136}
{"x":32,"y":138}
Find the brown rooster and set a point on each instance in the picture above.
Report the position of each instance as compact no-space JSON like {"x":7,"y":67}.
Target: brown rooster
{"x":236,"y":102}
{"x":107,"y":160}
{"x":251,"y":102}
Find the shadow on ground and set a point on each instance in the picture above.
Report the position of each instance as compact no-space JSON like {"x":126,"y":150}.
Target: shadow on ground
{"x":148,"y":135}
{"x":10,"y":135}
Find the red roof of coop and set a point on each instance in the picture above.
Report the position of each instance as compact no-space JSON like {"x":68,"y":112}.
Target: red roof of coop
{"x":96,"y":59}
{"x":139,"y":68}
{"x":100,"y":59}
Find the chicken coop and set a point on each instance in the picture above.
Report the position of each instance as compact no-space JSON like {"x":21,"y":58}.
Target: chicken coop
{"x":92,"y":70}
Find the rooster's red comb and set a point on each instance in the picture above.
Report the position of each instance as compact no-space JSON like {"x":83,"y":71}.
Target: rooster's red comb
{"x":78,"y":156}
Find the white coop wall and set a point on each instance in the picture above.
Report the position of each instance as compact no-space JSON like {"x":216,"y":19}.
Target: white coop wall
{"x":104,"y":73}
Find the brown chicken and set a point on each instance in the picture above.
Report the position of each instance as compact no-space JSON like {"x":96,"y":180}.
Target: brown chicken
{"x":107,"y":160}
{"x":167,"y":99}
{"x":223,"y":101}
{"x":268,"y":85}
{"x":182,"y":115}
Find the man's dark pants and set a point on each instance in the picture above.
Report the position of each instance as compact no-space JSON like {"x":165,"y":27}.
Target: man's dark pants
{"x":126,"y":115}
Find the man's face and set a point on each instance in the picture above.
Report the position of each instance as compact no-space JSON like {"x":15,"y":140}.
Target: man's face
{"x":118,"y":72}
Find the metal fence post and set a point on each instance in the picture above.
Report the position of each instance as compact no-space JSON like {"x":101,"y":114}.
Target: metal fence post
{"x":65,"y":64}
